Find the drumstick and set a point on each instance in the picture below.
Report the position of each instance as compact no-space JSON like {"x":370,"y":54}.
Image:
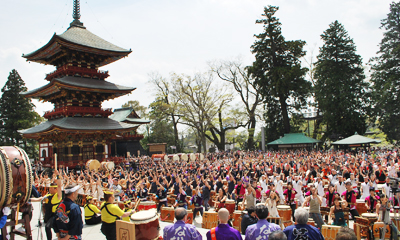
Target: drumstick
{"x":137,"y":203}
{"x":16,"y":220}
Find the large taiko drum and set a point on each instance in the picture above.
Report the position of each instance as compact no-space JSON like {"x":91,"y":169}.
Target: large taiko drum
{"x":147,"y":205}
{"x":107,"y":166}
{"x":15,"y":176}
{"x":237,"y":220}
{"x":360,"y":206}
{"x":146,"y":224}
{"x":285,"y":212}
{"x":93,"y":165}
{"x":189,"y":217}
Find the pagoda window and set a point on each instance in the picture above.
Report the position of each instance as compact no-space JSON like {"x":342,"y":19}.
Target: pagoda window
{"x":44,"y":153}
{"x":75,"y":150}
{"x":99,"y":148}
{"x":66,"y":151}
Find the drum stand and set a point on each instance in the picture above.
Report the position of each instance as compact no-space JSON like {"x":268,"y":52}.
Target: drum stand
{"x":26,"y":209}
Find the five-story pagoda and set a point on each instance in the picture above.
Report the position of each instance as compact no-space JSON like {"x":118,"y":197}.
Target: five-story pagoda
{"x":78,"y":128}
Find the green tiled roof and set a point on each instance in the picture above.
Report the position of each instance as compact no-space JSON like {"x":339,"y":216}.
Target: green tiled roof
{"x":356,"y":139}
{"x":294,"y":138}
{"x":122,"y":115}
{"x":79,"y":123}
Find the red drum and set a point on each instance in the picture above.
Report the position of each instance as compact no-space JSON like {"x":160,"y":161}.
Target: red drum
{"x":147,"y":205}
{"x":15,"y":176}
{"x":212,"y":195}
{"x":311,"y":222}
{"x":146,"y":224}
{"x":167,"y":214}
{"x":285,"y":212}
{"x":237,"y":220}
{"x":230,"y":205}
{"x":171,"y":199}
{"x":189,"y":217}
{"x":360,"y":206}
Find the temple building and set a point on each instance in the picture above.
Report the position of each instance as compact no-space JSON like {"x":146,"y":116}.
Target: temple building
{"x":78,"y":128}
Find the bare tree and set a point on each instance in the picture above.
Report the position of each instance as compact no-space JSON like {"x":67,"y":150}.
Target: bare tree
{"x":236,"y":74}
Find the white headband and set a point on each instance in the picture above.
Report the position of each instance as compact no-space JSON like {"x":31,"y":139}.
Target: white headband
{"x":71,"y":190}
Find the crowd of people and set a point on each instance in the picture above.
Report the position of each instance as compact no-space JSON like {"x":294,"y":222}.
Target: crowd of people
{"x":258,"y":182}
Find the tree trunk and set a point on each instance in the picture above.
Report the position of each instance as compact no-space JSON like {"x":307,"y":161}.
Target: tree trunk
{"x":176,"y":136}
{"x":286,"y":121}
{"x":250,"y":139}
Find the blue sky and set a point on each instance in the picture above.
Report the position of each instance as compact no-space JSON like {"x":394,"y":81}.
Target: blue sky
{"x":175,"y":35}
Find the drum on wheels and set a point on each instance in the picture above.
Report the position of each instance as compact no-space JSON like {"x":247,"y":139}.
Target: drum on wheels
{"x":167,"y":214}
{"x":329,"y":232}
{"x":15,"y":176}
{"x":146,"y":224}
{"x":93,"y":165}
{"x":147,"y":205}
{"x":210,"y":220}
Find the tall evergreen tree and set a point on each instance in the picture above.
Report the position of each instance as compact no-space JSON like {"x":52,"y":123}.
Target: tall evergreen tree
{"x":340,"y":90}
{"x":277,"y":71}
{"x":386,"y":76}
{"x":17,"y":113}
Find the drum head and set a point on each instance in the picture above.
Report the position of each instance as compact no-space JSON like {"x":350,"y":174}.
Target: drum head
{"x":360,"y":201}
{"x":144,"y":216}
{"x":369,"y":215}
{"x":192,"y":156}
{"x":184,"y":157}
{"x":283,"y":207}
{"x":230,"y":201}
{"x":175,"y":157}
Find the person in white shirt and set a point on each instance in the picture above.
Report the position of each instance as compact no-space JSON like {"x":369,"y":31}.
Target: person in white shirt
{"x":365,"y":188}
{"x":297,"y":185}
{"x":386,"y":188}
{"x":319,"y":185}
{"x":340,"y":185}
{"x":279,"y":188}
{"x":333,"y":178}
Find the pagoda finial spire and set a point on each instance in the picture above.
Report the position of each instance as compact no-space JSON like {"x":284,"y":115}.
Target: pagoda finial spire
{"x":76,"y":15}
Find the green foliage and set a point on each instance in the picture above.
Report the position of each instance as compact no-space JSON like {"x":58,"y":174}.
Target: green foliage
{"x":17,"y":113}
{"x":386,"y":76}
{"x":278,"y":74}
{"x":340,"y":89}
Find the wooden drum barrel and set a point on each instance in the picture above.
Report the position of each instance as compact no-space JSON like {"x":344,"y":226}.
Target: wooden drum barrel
{"x":146,"y":224}
{"x":210,"y":219}
{"x":93,"y":165}
{"x":15,"y":176}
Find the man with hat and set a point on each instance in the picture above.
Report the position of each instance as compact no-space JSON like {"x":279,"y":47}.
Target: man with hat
{"x":91,"y":212}
{"x":68,"y":222}
{"x":181,"y":230}
{"x":110,"y":213}
{"x":50,"y":204}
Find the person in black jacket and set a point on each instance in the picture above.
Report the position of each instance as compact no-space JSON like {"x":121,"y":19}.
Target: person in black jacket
{"x":249,"y":218}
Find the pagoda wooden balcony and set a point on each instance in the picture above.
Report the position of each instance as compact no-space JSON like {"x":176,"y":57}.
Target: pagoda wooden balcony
{"x":70,"y":111}
{"x":81,"y":71}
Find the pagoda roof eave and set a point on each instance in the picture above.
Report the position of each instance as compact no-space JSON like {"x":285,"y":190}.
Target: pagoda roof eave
{"x":78,"y":124}
{"x":79,"y":39}
{"x":79,"y":84}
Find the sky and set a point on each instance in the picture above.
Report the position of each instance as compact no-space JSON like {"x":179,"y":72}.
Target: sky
{"x":175,"y":36}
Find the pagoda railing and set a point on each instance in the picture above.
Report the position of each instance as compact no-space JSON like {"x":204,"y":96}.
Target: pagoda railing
{"x":73,"y":70}
{"x":70,"y":111}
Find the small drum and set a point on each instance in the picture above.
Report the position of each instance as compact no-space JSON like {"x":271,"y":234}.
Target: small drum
{"x":146,"y":224}
{"x":147,"y":205}
{"x":15,"y":176}
{"x":230,"y":205}
{"x":210,"y":220}
{"x":360,"y":206}
{"x":285,"y":212}
{"x":372,"y":217}
{"x":171,"y":199}
{"x":237,"y":220}
{"x":240,"y":207}
{"x":167,"y":214}
{"x":378,"y":228}
{"x":107,"y":166}
{"x":93,"y":165}
{"x":329,"y":232}
{"x":189,"y":217}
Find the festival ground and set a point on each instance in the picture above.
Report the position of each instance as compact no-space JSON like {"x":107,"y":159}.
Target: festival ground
{"x":93,"y":232}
